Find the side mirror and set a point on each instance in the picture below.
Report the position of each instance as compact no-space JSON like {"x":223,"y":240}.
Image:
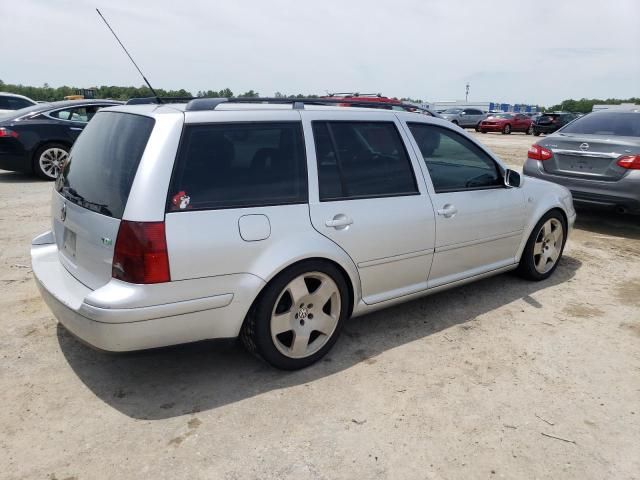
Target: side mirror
{"x":512,"y":179}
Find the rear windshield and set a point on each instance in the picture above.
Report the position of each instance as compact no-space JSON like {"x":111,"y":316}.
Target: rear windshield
{"x":623,"y":124}
{"x":104,"y":161}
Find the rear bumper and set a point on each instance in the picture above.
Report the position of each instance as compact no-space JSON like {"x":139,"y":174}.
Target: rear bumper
{"x":122,"y":317}
{"x":539,"y":129}
{"x":624,"y":193}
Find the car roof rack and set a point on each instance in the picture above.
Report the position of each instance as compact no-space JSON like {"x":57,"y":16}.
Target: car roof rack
{"x":200,"y":104}
{"x":159,"y":100}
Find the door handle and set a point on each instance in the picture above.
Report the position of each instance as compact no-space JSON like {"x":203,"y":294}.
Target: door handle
{"x":76,"y":128}
{"x":448,"y":211}
{"x":339,"y":222}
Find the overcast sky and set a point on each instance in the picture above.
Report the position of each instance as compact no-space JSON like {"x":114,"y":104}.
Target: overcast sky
{"x":508,"y":50}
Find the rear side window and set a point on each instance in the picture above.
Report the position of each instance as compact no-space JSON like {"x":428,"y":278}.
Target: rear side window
{"x":454,"y":163}
{"x":13,"y":103}
{"x":624,"y":124}
{"x":104,"y":161}
{"x":361,"y":160}
{"x":239,"y":165}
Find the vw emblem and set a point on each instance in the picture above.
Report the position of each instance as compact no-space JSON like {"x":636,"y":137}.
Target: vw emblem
{"x":63,"y":212}
{"x":302,"y":313}
{"x":584,"y":147}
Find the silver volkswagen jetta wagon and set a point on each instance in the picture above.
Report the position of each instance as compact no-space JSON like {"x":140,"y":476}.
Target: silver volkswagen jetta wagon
{"x":275,"y":223}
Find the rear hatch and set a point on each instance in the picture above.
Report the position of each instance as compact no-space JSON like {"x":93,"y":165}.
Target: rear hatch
{"x":92,"y":192}
{"x":588,"y":156}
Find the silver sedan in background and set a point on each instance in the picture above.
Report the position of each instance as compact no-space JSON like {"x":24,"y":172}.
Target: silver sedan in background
{"x":597,"y":157}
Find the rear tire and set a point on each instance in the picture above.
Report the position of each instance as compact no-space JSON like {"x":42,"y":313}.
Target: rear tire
{"x":537,"y":134}
{"x":478,"y":127}
{"x":544,"y":248}
{"x":529,"y":131}
{"x":483,"y":131}
{"x":49,"y":160}
{"x":298,"y":316}
{"x":506,"y":130}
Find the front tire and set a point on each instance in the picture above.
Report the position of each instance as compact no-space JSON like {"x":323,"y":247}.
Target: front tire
{"x":537,"y":134}
{"x":544,"y":247}
{"x":506,"y":130}
{"x":49,"y":160}
{"x":298,"y":317}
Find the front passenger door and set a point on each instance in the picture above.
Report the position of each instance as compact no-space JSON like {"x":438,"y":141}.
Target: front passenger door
{"x":479,"y":221}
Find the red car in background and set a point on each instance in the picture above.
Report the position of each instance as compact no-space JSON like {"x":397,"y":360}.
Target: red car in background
{"x":361,"y":99}
{"x":506,"y":123}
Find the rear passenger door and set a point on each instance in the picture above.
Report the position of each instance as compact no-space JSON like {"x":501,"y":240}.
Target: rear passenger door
{"x":238,"y":189}
{"x":471,"y":117}
{"x":365,"y":196}
{"x":479,"y":221}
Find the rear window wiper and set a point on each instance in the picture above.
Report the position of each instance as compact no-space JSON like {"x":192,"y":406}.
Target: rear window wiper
{"x":73,"y":195}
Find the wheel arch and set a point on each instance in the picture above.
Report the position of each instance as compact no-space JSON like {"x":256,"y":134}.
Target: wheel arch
{"x":534,"y":221}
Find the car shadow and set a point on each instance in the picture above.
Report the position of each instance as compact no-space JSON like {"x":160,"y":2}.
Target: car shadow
{"x":17,"y":177}
{"x":173,"y":381}
{"x":608,"y":222}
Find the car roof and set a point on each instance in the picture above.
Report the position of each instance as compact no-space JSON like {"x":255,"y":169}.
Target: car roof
{"x":9,"y":94}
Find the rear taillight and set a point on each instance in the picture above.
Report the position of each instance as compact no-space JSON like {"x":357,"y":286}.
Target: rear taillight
{"x":140,"y":254}
{"x":536,"y":152}
{"x":631,"y":162}
{"x":5,"y":132}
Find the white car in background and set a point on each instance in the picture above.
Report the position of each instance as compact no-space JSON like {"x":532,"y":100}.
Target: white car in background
{"x":11,"y":101}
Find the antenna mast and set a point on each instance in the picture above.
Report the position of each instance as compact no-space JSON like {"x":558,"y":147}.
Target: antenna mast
{"x":130,"y":57}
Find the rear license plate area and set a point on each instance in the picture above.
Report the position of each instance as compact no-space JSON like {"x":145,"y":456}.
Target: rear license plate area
{"x":69,"y":242}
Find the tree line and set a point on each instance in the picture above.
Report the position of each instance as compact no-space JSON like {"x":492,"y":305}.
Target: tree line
{"x":585,"y":105}
{"x":50,"y":94}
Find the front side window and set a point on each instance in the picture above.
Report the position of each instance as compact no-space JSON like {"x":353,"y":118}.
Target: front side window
{"x":361,"y":160}
{"x":454,"y":162}
{"x":239,"y":165}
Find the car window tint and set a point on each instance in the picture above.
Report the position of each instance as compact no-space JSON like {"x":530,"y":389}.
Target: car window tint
{"x":361,"y":160}
{"x":78,"y":114}
{"x":454,"y":162}
{"x":625,"y":124}
{"x":13,"y":103}
{"x":104,"y":161}
{"x":239,"y":165}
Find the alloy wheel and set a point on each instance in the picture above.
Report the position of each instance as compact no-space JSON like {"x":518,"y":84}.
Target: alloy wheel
{"x":548,"y":245}
{"x":52,"y":160}
{"x":305,"y":315}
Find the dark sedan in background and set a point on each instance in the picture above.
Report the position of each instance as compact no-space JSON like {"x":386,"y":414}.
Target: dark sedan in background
{"x":597,"y":157}
{"x":550,"y":122}
{"x":37,"y":139}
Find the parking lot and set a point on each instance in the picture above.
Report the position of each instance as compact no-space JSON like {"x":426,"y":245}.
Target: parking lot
{"x":502,"y":378}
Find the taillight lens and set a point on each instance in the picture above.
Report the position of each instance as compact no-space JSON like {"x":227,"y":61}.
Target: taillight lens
{"x":140,"y":254}
{"x":536,"y":152}
{"x":5,"y":132}
{"x":631,"y":162}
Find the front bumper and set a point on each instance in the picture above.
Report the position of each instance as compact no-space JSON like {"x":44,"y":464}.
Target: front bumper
{"x":122,"y":317}
{"x":623,"y":193}
{"x":491,"y":128}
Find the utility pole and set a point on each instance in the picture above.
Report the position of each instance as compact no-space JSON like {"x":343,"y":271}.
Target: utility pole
{"x":466,"y":95}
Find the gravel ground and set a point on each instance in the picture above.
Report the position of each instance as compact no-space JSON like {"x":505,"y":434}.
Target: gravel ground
{"x":499,"y":379}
